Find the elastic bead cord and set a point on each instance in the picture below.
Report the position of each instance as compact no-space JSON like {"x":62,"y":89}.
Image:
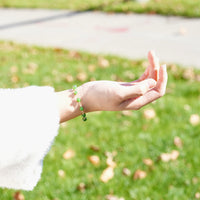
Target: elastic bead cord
{"x":83,"y":114}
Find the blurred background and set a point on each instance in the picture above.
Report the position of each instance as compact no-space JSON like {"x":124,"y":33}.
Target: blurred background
{"x":148,"y":154}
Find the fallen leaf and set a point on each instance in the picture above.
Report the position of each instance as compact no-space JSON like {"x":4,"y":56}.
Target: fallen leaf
{"x":110,"y":162}
{"x":194,"y":119}
{"x":61,"y":173}
{"x":149,"y":113}
{"x":81,"y":187}
{"x":148,"y":161}
{"x":197,"y":195}
{"x":165,"y":157}
{"x":127,"y":112}
{"x":68,"y":154}
{"x":110,"y":154}
{"x":82,"y":76}
{"x":14,"y":69}
{"x":91,"y":68}
{"x":126,"y":171}
{"x":74,"y":54}
{"x":58,"y":50}
{"x":107,"y":174}
{"x":103,"y":63}
{"x":19,"y":196}
{"x":14,"y":79}
{"x":94,"y":148}
{"x":69,"y":78}
{"x":178,"y":142}
{"x":139,"y":174}
{"x":31,"y":68}
{"x":129,"y":75}
{"x":94,"y":160}
{"x":189,"y":74}
{"x":174,"y":155}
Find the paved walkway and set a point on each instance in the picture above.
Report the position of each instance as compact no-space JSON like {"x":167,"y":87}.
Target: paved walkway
{"x":176,"y":40}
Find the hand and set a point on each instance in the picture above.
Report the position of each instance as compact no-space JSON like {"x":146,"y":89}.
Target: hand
{"x":115,"y":96}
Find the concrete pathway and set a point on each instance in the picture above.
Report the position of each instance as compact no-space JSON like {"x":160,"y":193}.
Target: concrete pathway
{"x":176,"y":40}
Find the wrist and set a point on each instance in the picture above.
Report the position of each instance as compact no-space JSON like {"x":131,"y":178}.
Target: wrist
{"x":67,"y":105}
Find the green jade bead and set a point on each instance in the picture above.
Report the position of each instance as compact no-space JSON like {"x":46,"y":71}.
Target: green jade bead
{"x":74,"y":87}
{"x":78,"y":100}
{"x":75,"y":92}
{"x":81,"y":108}
{"x":83,"y":115}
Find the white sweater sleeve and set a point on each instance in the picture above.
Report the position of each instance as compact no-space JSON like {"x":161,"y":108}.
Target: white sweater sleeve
{"x":29,"y":122}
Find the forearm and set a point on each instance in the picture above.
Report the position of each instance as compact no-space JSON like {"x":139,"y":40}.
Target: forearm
{"x":67,"y":105}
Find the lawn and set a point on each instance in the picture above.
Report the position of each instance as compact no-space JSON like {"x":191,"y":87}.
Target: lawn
{"x":188,"y":8}
{"x":130,"y":137}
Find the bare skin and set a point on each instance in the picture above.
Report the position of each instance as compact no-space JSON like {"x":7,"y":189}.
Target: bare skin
{"x":116,"y":96}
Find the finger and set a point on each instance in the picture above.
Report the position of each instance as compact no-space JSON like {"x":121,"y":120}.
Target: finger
{"x":162,"y":82}
{"x":154,"y":63}
{"x":138,"y":89}
{"x":150,"y":96}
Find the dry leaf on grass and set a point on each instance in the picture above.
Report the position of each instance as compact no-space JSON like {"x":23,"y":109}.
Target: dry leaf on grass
{"x":127,"y":112}
{"x":14,"y":79}
{"x":194,"y":119}
{"x":189,"y":74}
{"x":91,"y":68}
{"x":107,"y":174}
{"x":174,"y":155}
{"x":129,"y":75}
{"x":69,"y":154}
{"x":110,"y":154}
{"x":14,"y":69}
{"x":81,"y":187}
{"x":31,"y":68}
{"x":139,"y":174}
{"x":74,"y":54}
{"x":110,"y":162}
{"x":103,"y":63}
{"x":94,"y":160}
{"x":61,"y":173}
{"x":82,"y":76}
{"x":18,"y":196}
{"x":69,"y":78}
{"x":149,"y":113}
{"x":94,"y":148}
{"x":148,"y":162}
{"x":178,"y":142}
{"x":197,"y":195}
{"x":126,"y":171}
{"x":166,"y":157}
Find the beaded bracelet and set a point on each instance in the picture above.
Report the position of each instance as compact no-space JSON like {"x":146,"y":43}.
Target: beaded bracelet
{"x":83,"y":114}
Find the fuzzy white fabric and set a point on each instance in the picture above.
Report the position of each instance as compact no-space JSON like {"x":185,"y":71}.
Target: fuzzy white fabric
{"x":29,"y":120}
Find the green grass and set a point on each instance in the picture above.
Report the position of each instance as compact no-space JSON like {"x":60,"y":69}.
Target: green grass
{"x":132,"y":137}
{"x":188,"y":8}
